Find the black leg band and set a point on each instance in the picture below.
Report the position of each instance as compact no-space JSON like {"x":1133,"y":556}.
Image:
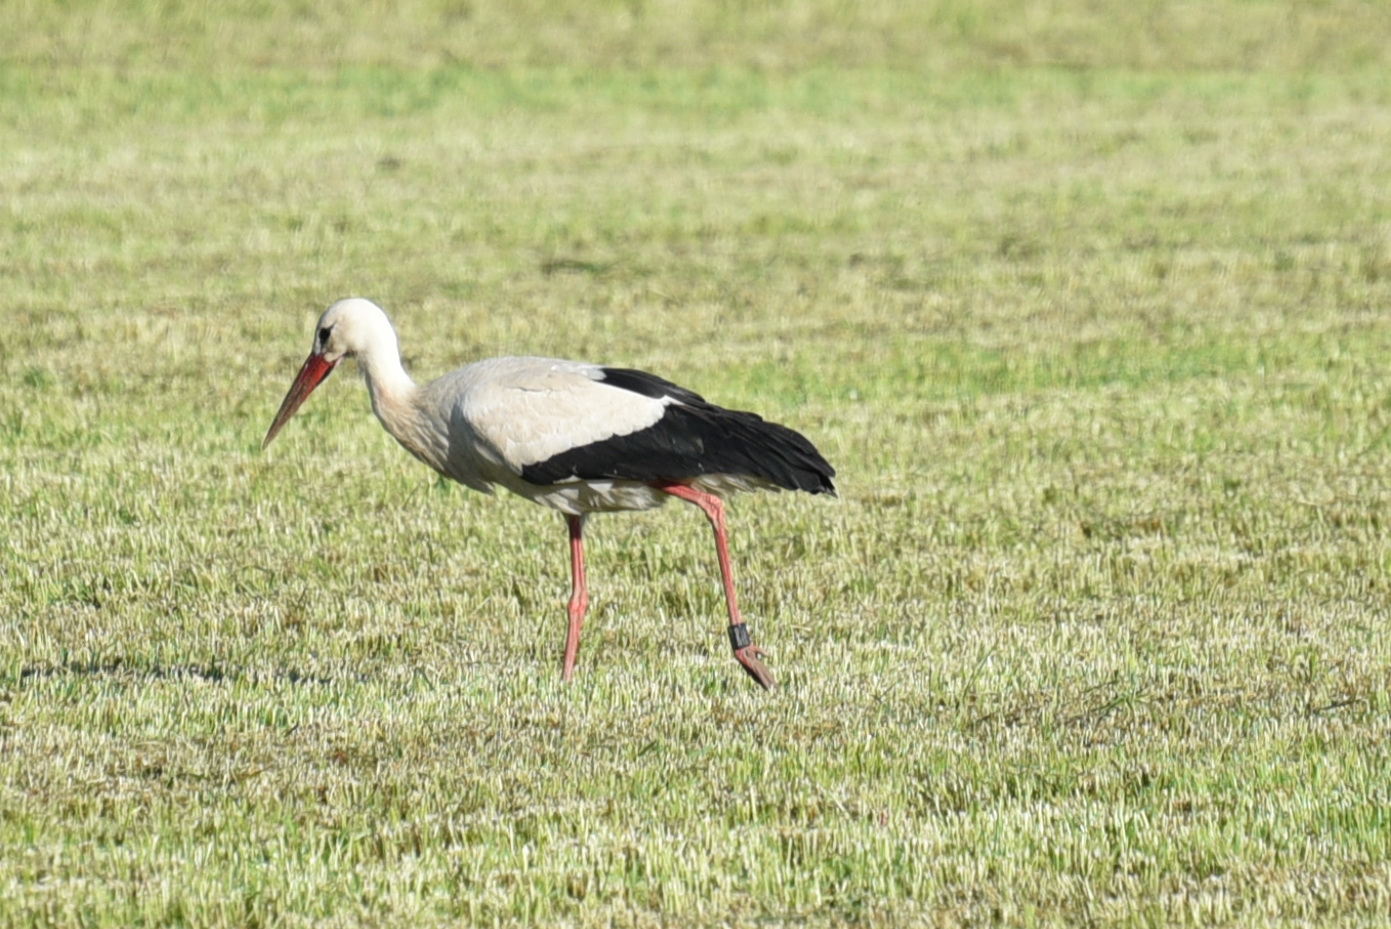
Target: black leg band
{"x":739,"y":636}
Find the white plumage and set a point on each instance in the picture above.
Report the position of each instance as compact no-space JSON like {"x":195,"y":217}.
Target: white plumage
{"x":516,"y":412}
{"x":576,"y":437}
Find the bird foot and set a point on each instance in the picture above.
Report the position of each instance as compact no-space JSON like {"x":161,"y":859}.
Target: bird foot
{"x":748,"y":657}
{"x":747,"y":654}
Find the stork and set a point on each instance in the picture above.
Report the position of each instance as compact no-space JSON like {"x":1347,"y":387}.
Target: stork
{"x":579,"y":438}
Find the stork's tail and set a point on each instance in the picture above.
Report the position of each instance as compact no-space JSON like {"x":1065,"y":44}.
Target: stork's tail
{"x":751,"y":445}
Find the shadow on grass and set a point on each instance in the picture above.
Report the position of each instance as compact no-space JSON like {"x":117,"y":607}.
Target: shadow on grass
{"x":120,"y":667}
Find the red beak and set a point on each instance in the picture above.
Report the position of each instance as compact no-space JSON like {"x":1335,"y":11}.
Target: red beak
{"x":311,"y":375}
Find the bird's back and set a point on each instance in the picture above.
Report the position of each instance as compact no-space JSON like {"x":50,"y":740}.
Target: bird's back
{"x":530,"y":423}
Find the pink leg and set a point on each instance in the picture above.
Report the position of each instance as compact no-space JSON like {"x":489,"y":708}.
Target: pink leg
{"x":745,"y":651}
{"x":579,"y":596}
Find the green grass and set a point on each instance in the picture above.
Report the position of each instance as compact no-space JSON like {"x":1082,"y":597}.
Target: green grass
{"x":1087,"y":302}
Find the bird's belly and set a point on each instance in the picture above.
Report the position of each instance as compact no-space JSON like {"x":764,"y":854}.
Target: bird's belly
{"x":608,"y":496}
{"x":594,"y":496}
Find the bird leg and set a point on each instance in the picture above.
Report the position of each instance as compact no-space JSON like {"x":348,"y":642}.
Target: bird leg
{"x":745,"y":651}
{"x":579,"y":596}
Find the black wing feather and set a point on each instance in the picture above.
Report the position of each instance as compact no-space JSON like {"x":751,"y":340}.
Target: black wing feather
{"x":693,"y":438}
{"x":649,"y":385}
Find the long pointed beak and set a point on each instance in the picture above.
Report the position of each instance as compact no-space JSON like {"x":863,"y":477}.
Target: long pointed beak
{"x":310,"y":375}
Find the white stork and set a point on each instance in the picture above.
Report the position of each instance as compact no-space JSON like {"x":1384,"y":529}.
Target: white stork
{"x":579,"y":438}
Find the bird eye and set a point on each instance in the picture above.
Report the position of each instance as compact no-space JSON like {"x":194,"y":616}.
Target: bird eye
{"x":324,"y":333}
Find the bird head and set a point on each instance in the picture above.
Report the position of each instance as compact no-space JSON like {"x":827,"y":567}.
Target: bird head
{"x":347,"y":329}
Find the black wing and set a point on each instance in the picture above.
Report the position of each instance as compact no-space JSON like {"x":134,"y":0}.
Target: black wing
{"x":693,"y":438}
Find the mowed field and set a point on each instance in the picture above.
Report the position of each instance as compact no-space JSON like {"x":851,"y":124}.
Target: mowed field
{"x":1088,"y":302}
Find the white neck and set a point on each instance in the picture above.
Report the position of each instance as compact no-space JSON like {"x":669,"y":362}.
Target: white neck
{"x":394,"y":393}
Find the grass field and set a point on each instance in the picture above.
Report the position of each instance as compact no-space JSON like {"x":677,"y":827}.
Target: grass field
{"x":1087,"y":302}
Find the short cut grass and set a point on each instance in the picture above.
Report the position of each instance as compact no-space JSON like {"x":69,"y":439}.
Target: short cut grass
{"x":1086,"y":301}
